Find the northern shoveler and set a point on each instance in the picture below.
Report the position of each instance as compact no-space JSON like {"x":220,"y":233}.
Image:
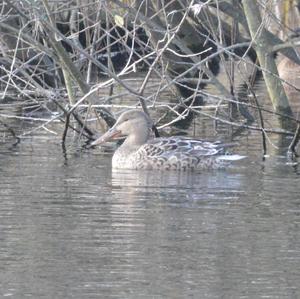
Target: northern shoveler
{"x":166,"y":153}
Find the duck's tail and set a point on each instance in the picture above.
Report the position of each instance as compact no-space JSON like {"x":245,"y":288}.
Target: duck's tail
{"x":230,"y":157}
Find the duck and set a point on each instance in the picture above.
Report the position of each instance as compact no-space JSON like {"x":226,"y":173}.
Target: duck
{"x":140,"y":151}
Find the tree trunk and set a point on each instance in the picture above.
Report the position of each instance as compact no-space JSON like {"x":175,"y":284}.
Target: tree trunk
{"x":266,"y":58}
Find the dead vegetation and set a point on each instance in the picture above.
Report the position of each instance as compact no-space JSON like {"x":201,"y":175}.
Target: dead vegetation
{"x":82,"y":60}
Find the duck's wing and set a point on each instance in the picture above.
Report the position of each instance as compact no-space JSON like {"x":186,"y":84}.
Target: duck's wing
{"x":180,"y":153}
{"x":182,"y":146}
{"x":176,"y":153}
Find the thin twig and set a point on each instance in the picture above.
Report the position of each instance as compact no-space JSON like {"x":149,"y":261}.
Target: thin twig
{"x":294,"y":143}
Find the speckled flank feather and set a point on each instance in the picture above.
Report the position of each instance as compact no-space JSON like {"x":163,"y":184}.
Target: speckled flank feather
{"x":174,"y":153}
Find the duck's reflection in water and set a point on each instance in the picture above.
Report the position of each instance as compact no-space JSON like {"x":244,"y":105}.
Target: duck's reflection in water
{"x":173,"y":223}
{"x":172,"y":184}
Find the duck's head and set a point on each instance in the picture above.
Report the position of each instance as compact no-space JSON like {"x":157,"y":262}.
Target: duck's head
{"x":133,"y":124}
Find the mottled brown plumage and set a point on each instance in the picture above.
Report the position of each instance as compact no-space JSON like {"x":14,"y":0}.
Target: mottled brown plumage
{"x":173,"y":153}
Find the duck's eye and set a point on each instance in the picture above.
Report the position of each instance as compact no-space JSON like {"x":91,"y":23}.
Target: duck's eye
{"x":126,"y":119}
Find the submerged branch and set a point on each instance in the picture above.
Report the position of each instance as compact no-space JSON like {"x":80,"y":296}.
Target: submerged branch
{"x":294,"y":143}
{"x":11,"y":131}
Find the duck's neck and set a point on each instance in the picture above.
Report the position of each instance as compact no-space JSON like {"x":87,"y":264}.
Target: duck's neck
{"x":136,"y":139}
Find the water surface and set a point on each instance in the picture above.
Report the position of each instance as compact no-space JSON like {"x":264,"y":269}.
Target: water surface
{"x":70,"y":227}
